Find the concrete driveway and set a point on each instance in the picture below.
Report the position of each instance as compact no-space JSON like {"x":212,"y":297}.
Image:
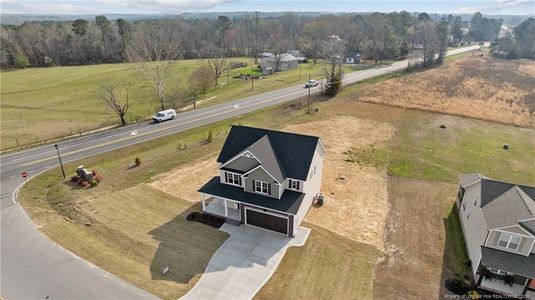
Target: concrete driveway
{"x":244,"y":263}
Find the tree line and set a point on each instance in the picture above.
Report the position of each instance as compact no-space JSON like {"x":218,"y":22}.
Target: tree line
{"x":377,"y":36}
{"x":520,"y":43}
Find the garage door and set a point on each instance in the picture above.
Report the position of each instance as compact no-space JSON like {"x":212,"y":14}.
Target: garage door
{"x":267,"y":221}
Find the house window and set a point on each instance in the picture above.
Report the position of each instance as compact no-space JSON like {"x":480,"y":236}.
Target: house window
{"x":293,"y":184}
{"x":509,"y":241}
{"x":261,"y":187}
{"x":233,"y":178}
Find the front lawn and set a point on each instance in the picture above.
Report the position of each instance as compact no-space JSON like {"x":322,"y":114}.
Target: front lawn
{"x":328,"y":266}
{"x":136,"y":233}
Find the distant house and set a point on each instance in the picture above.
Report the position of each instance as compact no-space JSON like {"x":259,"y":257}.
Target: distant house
{"x":498,"y":222}
{"x":353,"y":57}
{"x":285,"y":61}
{"x":267,"y":179}
{"x":300,"y":56}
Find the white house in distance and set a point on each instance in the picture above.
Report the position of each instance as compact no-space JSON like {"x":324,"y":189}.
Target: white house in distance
{"x":498,"y":222}
{"x":285,"y":62}
{"x":267,"y":179}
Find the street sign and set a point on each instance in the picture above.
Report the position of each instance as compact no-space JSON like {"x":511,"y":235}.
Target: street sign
{"x":24,"y":175}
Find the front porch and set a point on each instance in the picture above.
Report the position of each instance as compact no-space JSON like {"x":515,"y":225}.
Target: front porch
{"x":498,"y":285}
{"x":221,"y":207}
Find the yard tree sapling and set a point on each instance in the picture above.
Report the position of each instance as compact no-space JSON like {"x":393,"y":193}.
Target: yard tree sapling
{"x":333,"y":68}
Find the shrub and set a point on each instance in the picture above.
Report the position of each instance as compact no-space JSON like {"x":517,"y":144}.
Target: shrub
{"x":457,"y":286}
{"x":137,"y":161}
{"x":237,"y":64}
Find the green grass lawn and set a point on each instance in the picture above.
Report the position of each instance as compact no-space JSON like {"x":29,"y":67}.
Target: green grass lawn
{"x":328,"y":266}
{"x":135,"y":233}
{"x":45,"y":103}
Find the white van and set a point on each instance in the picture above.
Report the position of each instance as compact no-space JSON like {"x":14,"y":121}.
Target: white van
{"x":164,"y":115}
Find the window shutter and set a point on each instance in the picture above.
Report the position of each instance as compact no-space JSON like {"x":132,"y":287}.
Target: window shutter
{"x":226,"y":177}
{"x":254,"y":185}
{"x":269,"y":188}
{"x":298,"y":183}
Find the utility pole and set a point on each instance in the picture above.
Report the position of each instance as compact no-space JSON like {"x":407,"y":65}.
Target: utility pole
{"x":308,"y":101}
{"x":228,"y":82}
{"x":60,"y":162}
{"x":300,"y":70}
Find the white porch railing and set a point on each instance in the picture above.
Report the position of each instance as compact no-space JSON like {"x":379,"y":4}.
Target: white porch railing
{"x":498,"y":285}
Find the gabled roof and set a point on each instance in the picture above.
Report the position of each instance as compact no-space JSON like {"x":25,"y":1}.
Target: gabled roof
{"x":502,"y":204}
{"x":288,"y":153}
{"x":467,"y":179}
{"x":352,"y":54}
{"x":508,"y":208}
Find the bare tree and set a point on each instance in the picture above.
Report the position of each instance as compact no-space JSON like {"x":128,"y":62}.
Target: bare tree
{"x":117,"y":100}
{"x":201,"y":79}
{"x":154,"y":51}
{"x":218,"y":65}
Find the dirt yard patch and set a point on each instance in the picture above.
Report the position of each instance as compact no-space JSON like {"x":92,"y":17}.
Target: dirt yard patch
{"x":483,"y":88}
{"x":184,"y":181}
{"x":360,"y":199}
{"x":422,"y":245}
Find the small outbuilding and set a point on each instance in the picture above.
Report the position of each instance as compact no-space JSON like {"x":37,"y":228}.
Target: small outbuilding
{"x":353,"y":57}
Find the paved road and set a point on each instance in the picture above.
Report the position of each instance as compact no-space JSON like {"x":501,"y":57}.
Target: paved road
{"x":33,"y":267}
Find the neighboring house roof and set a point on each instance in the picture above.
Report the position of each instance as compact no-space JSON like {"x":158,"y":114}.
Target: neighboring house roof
{"x":508,"y":208}
{"x":284,"y":57}
{"x":296,"y":53}
{"x":467,"y":179}
{"x":288,"y":203}
{"x":509,"y":262}
{"x":288,"y":153}
{"x":352,"y":54}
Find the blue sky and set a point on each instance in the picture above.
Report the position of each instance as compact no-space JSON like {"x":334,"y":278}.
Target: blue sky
{"x":520,"y":7}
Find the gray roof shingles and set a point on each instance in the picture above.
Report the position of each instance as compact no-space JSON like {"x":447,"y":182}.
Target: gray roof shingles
{"x":293,"y":152}
{"x":509,"y":262}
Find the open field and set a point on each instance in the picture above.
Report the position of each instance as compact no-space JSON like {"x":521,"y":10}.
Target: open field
{"x":484,"y":88}
{"x":421,"y":159}
{"x":46,"y":103}
{"x":328,"y":266}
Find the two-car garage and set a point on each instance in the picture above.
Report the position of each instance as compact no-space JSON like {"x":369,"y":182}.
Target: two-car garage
{"x":268,"y":220}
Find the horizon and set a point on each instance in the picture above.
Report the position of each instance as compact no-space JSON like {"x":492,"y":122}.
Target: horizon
{"x":178,"y":7}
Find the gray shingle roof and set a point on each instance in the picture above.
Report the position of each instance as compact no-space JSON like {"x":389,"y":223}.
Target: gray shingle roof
{"x":288,"y":203}
{"x":293,"y":152}
{"x":263,"y":151}
{"x":508,"y":209}
{"x":466,"y":179}
{"x":509,"y":262}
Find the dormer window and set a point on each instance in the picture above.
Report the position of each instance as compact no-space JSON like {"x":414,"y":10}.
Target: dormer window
{"x":233,"y":178}
{"x":261,"y":187}
{"x":509,"y":241}
{"x":293,"y":184}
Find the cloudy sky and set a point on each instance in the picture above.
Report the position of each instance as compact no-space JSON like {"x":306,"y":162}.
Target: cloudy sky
{"x":521,"y":7}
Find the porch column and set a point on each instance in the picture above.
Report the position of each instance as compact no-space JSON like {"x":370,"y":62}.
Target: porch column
{"x":203,"y":203}
{"x":226,"y":209}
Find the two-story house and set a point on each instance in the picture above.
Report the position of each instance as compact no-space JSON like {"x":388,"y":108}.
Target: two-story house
{"x":267,"y":178}
{"x":498,"y":222}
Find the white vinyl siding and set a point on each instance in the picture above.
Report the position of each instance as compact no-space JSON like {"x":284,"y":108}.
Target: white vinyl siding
{"x":509,"y":241}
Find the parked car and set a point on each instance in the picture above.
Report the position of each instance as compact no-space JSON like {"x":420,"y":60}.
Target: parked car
{"x":311,"y":83}
{"x":164,"y":115}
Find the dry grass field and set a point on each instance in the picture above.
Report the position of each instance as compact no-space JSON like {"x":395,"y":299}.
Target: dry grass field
{"x":484,"y":88}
